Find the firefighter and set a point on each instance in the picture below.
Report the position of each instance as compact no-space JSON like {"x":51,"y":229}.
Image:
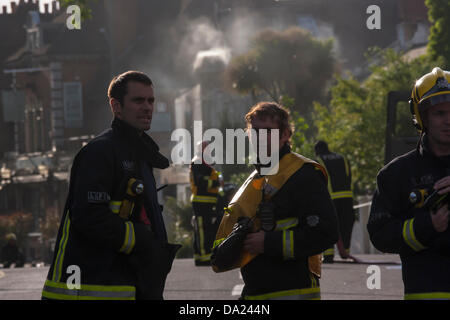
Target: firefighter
{"x":401,"y":221}
{"x":112,"y":242}
{"x":11,"y":253}
{"x":206,"y":183}
{"x":340,"y":189}
{"x":279,"y":222}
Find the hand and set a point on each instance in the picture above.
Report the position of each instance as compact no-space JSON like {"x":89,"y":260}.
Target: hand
{"x":254,"y":242}
{"x":440,"y":218}
{"x":443,"y":185}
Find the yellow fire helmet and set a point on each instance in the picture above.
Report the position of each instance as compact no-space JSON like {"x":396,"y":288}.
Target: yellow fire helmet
{"x":10,"y":236}
{"x":433,"y":88}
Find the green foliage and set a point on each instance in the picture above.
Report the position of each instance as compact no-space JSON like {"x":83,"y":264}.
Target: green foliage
{"x":180,"y":229}
{"x":439,"y":39}
{"x":301,"y":140}
{"x":289,"y":62}
{"x":354,"y":122}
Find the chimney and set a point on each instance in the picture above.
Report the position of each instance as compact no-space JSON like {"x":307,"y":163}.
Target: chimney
{"x":4,"y":10}
{"x":13,"y":7}
{"x":46,"y":11}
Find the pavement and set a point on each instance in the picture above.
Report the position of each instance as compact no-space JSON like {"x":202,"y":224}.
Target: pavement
{"x":379,"y":278}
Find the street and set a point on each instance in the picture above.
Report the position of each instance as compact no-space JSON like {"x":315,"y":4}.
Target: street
{"x":340,"y":281}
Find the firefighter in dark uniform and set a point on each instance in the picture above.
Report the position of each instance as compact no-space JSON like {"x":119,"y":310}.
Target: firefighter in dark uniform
{"x":112,"y":242}
{"x":340,"y":189}
{"x":279,"y":221}
{"x":11,"y":253}
{"x":206,"y":183}
{"x":404,"y":218}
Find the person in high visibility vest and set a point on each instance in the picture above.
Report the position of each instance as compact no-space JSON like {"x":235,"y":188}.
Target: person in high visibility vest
{"x":206,"y":184}
{"x":340,"y":189}
{"x":410,"y":207}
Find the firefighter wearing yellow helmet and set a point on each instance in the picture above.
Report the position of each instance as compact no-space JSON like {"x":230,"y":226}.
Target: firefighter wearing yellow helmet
{"x":410,"y":210}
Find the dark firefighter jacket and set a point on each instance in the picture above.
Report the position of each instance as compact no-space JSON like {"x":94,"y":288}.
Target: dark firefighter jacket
{"x":204,"y":181}
{"x":397,"y":226}
{"x":306,"y":226}
{"x":115,"y":257}
{"x":339,"y":175}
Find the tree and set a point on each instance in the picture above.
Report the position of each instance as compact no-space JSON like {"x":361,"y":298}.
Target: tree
{"x":439,"y":39}
{"x":354,"y":122}
{"x":289,"y":62}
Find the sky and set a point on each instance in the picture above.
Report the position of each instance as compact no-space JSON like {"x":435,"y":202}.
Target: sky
{"x":7,"y":3}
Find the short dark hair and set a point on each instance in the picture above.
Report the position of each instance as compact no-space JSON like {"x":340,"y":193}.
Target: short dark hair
{"x":119,"y":84}
{"x":321,"y":147}
{"x":274,"y":111}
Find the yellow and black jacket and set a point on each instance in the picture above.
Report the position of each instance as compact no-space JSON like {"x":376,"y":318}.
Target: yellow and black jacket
{"x":306,"y":224}
{"x":398,"y":226}
{"x":110,"y":251}
{"x":339,"y":175}
{"x":204,"y":181}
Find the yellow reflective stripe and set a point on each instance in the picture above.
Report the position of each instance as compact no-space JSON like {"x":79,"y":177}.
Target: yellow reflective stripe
{"x":201,"y":235}
{"x":288,"y":244}
{"x":286,"y":223}
{"x":410,"y":237}
{"x":59,"y":290}
{"x":204,"y":199}
{"x":295,"y":294}
{"x":428,"y":296}
{"x":319,"y":159}
{"x":341,"y":194}
{"x":205,"y":257}
{"x":115,"y":206}
{"x":314,"y":283}
{"x":217,"y":242}
{"x":329,"y":252}
{"x":346,"y":166}
{"x":130,"y":238}
{"x":57,"y":270}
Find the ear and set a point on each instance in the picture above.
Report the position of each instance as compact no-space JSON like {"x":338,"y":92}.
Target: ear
{"x":116,"y":107}
{"x":284,"y":136}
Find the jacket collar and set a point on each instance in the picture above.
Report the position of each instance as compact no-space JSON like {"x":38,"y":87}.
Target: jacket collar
{"x":424,"y":150}
{"x":143,"y":144}
{"x":283,"y":151}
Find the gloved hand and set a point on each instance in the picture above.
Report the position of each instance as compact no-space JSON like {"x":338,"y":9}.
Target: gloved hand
{"x":228,"y":252}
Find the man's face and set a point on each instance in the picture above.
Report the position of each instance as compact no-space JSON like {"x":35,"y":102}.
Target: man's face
{"x":137,"y":108}
{"x":268,"y":123}
{"x":437,"y":122}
